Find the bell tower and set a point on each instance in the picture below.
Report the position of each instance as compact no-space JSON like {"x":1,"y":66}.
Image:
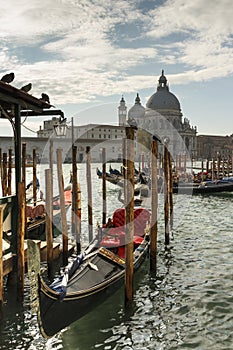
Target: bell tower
{"x":122,"y":112}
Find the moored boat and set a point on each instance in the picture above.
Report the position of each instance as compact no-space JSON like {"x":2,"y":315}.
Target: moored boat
{"x":93,"y":276}
{"x":206,"y":187}
{"x":36,"y":215}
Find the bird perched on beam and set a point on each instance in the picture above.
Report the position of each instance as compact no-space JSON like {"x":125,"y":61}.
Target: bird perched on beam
{"x":8,"y":78}
{"x":26,"y":88}
{"x":45,"y":98}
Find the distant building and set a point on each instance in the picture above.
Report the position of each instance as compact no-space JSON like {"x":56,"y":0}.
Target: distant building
{"x":122,"y":113}
{"x":210,"y":146}
{"x":162,"y":116}
{"x":48,"y":129}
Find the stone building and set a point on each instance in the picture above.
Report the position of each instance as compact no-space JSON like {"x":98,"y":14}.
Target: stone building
{"x":164,"y":118}
{"x":211,"y":146}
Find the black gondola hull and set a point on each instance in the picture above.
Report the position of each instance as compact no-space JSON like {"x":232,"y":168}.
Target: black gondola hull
{"x":54,"y":315}
{"x":213,"y":188}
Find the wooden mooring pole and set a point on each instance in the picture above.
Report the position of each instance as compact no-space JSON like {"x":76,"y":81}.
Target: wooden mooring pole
{"x":24,"y":164}
{"x":51,"y":156}
{"x":170,"y":190}
{"x":75,"y":215}
{"x":20,"y":240}
{"x":124,"y":165}
{"x":62,"y":207}
{"x":34,"y":178}
{"x":154,"y":206}
{"x":218,"y":164}
{"x":89,"y":193}
{"x":129,"y":199}
{"x":166,"y":194}
{"x":212,"y":169}
{"x":104,"y":211}
{"x":48,"y":221}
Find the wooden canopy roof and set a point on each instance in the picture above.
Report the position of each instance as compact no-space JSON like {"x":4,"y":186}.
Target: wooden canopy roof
{"x":11,"y":95}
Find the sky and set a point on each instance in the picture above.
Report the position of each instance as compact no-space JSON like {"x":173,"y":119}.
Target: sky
{"x":86,"y":54}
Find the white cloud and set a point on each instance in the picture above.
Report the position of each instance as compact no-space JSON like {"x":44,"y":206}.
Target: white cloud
{"x":85,"y":57}
{"x":201,"y":33}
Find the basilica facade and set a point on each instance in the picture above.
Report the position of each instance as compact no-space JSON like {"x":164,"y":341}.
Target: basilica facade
{"x":163,"y":118}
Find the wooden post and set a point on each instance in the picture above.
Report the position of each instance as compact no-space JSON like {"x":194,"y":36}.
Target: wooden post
{"x":143,"y":160}
{"x":20,"y":240}
{"x":24,"y":164}
{"x":202,"y":170}
{"x":212,"y":169}
{"x":129,"y":215}
{"x":49,"y":223}
{"x":185,"y":162}
{"x":1,"y":259}
{"x":166,"y":196}
{"x":9,"y":172}
{"x":218,"y":165}
{"x":207,"y":166}
{"x":34,"y":178}
{"x":228,"y":167}
{"x":4,"y":175}
{"x":154,"y":206}
{"x":104,"y":186}
{"x":89,"y":193}
{"x":51,"y":162}
{"x":124,"y":165}
{"x":179,"y":163}
{"x":75,"y":218}
{"x":191,"y":162}
{"x":170,"y":189}
{"x":62,"y":207}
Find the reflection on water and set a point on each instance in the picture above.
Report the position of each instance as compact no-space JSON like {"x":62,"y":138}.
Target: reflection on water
{"x":188,"y":305}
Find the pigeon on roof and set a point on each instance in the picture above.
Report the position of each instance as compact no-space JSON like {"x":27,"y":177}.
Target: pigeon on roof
{"x":45,"y":98}
{"x":8,"y":78}
{"x":26,"y":88}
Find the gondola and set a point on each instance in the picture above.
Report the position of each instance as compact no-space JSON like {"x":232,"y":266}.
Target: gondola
{"x":113,"y":178}
{"x":36,"y":215}
{"x":93,"y":276}
{"x":115,"y":172}
{"x":207,"y":187}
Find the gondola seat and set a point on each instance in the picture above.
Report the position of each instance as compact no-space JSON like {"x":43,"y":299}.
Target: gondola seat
{"x":141,"y":218}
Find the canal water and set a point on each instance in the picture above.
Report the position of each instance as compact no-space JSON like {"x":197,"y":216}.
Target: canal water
{"x":187,"y":305}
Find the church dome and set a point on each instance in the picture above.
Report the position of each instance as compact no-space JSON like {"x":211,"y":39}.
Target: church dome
{"x":137,"y":111}
{"x":163,"y":99}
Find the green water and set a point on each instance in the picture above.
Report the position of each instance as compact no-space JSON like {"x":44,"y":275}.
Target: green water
{"x":187,"y":305}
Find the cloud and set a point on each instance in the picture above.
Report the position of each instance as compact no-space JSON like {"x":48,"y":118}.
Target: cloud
{"x":83,"y":52}
{"x":201,"y":34}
